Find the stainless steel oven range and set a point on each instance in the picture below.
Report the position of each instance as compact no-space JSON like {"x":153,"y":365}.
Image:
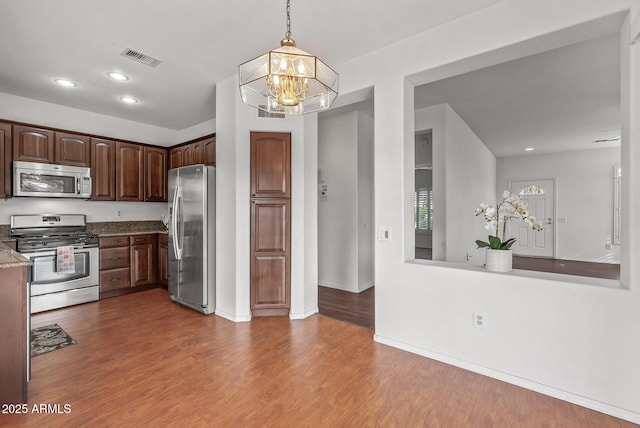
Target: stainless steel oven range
{"x":64,"y":256}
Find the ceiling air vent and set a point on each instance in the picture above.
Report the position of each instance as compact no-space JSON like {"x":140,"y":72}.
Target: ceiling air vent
{"x":262,"y":113}
{"x":140,"y":57}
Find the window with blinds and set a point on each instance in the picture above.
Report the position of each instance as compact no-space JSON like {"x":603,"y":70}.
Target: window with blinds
{"x":423,"y":209}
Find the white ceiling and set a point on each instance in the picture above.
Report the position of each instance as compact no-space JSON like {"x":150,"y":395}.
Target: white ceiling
{"x":199,"y":42}
{"x":560,"y":100}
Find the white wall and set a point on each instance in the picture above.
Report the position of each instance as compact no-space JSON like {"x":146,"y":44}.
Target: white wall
{"x":235,"y":121}
{"x":20,"y":109}
{"x":94,"y":210}
{"x":365,"y":221}
{"x":584,"y":348}
{"x":464,"y":171}
{"x":345,"y":215}
{"x":584,"y":196}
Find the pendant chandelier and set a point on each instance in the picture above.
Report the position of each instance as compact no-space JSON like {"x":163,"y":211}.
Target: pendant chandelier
{"x":288,"y":80}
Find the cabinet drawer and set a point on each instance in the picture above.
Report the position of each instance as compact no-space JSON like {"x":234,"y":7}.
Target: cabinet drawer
{"x":112,"y":258}
{"x":114,"y":279}
{"x":143,"y":239}
{"x":114,"y":241}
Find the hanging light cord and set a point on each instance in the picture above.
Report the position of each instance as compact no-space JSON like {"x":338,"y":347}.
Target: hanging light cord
{"x":288,"y":33}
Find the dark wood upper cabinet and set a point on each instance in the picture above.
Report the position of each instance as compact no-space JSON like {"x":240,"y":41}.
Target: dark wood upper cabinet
{"x":175,"y":157}
{"x":73,"y":150}
{"x":33,"y":144}
{"x":193,"y":154}
{"x":5,"y":160}
{"x":155,"y":167}
{"x":129,"y":172}
{"x":209,"y":148}
{"x":270,"y":165}
{"x":103,"y":169}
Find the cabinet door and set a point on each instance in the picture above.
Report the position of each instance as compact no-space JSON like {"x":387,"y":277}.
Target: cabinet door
{"x":270,"y":256}
{"x":129,"y":172}
{"x":5,"y":160}
{"x":32,"y":144}
{"x":103,"y":170}
{"x":270,"y":165}
{"x":192,"y":154}
{"x":72,"y":149}
{"x":209,"y":146}
{"x":163,"y":260}
{"x":143,"y":267}
{"x":155,"y":168}
{"x":175,"y":158}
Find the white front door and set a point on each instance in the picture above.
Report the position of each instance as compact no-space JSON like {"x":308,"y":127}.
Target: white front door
{"x":539,"y":196}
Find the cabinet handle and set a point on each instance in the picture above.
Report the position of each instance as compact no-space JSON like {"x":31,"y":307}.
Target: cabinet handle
{"x":115,"y":279}
{"x":116,"y":242}
{"x":115,"y":258}
{"x":139,"y":240}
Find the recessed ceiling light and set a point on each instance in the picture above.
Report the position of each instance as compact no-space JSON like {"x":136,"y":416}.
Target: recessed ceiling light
{"x":128,"y":100}
{"x":117,"y":76}
{"x":65,"y":82}
{"x":529,"y":149}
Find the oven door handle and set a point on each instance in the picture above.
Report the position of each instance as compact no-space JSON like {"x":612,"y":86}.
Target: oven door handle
{"x":177,"y":224}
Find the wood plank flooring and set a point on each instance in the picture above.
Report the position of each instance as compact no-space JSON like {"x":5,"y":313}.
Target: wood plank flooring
{"x":142,"y":361}
{"x":568,"y":267}
{"x":356,"y":308}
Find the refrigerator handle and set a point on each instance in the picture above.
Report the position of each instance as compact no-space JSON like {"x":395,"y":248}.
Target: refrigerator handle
{"x":179,"y":235}
{"x":174,"y":225}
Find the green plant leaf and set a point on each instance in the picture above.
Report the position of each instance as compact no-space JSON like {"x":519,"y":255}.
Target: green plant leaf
{"x":482,"y":244}
{"x":506,"y":245}
{"x":495,"y":242}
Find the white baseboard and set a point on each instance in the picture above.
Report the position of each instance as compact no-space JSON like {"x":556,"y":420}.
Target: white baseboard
{"x":303,"y":315}
{"x":232,"y":317}
{"x":598,"y":406}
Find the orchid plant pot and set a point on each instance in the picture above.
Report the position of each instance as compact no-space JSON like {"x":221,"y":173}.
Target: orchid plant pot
{"x":499,"y":260}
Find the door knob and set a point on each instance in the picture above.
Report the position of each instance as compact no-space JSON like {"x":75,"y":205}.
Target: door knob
{"x":549,"y":220}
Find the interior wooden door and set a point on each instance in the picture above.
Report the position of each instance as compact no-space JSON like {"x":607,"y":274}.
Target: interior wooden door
{"x":270,"y":165}
{"x":270,"y":256}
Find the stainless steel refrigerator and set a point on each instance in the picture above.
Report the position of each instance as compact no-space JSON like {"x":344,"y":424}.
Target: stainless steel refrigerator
{"x":192,"y":237}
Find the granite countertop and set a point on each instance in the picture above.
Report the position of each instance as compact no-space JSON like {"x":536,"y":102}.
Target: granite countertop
{"x":11,"y":259}
{"x":114,"y":228}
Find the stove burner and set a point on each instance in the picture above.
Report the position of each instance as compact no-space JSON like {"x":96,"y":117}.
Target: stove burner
{"x":38,"y":241}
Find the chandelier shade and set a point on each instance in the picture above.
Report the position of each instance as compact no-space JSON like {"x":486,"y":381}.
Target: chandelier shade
{"x":288,"y":80}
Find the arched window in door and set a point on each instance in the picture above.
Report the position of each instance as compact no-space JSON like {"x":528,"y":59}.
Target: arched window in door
{"x":531,"y":189}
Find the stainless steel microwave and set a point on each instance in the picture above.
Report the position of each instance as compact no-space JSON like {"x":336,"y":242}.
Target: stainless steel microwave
{"x":51,"y":181}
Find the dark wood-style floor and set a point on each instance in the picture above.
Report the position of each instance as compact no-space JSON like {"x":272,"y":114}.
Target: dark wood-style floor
{"x":142,"y":360}
{"x":356,"y":308}
{"x":568,"y":267}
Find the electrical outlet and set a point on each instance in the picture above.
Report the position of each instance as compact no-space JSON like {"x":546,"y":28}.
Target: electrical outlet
{"x":479,"y":320}
{"x":118,"y":213}
{"x":607,"y":246}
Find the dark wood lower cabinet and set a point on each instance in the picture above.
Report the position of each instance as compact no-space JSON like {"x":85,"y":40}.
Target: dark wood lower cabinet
{"x":163,"y":259}
{"x":143,"y":259}
{"x":270,"y":256}
{"x":13,"y":330}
